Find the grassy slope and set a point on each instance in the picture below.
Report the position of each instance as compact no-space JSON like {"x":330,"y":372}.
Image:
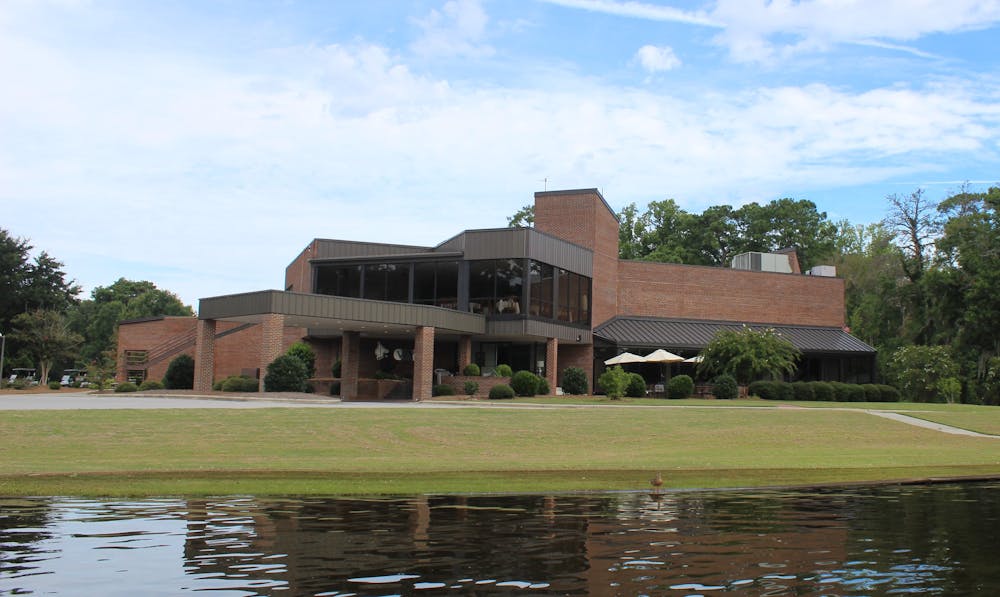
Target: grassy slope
{"x":420,"y":450}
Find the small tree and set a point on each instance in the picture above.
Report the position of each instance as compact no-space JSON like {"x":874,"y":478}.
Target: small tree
{"x":180,"y":373}
{"x":613,"y":382}
{"x":286,"y":374}
{"x":575,"y":381}
{"x":46,"y":336}
{"x":306,"y":354}
{"x":749,"y":355}
{"x":919,"y":370}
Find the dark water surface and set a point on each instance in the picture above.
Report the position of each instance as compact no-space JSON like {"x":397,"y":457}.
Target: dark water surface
{"x":940,"y":539}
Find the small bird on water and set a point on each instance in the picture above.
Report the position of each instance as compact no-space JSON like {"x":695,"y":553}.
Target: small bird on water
{"x":656,"y":482}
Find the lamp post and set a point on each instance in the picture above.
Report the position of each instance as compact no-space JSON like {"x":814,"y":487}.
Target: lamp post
{"x":3,"y":347}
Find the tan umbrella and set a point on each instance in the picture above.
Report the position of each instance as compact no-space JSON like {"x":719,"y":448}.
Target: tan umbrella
{"x":625,"y":357}
{"x":696,"y":359}
{"x":661,"y":356}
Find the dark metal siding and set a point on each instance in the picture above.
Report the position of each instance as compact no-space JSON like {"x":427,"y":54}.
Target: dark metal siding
{"x":338,"y":249}
{"x":673,"y":333}
{"x":537,"y":329}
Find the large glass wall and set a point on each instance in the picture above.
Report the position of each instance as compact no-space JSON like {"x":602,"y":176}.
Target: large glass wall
{"x":574,"y":297}
{"x":541,"y":283}
{"x":436,"y":283}
{"x":339,"y":280}
{"x":496,"y":286}
{"x":387,"y":282}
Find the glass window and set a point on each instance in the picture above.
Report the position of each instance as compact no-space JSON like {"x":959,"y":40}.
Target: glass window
{"x":510,"y":283}
{"x":339,"y":280}
{"x":447,"y":285}
{"x":387,"y":282}
{"x":540,"y":289}
{"x":424,"y":275}
{"x":574,"y":297}
{"x":481,"y":286}
{"x":585,"y":299}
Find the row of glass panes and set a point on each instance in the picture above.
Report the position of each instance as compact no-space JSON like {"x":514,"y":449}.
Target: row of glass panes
{"x":495,"y":286}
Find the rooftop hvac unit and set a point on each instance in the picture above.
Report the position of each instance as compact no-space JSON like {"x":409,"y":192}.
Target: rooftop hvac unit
{"x":762,"y":262}
{"x":827,"y":271}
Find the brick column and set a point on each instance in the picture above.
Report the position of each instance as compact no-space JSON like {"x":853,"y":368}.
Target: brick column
{"x":552,"y":363}
{"x":350,"y":355}
{"x":272,"y":331}
{"x":423,"y":363}
{"x":204,"y":355}
{"x":464,"y":353}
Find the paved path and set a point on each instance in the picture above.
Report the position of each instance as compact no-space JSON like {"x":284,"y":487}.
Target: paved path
{"x":88,"y":401}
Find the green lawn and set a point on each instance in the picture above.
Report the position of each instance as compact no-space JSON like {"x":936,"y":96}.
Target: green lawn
{"x":379,"y":450}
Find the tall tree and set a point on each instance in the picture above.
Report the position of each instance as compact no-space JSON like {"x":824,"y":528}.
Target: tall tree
{"x":665,"y":236}
{"x":524,"y":217}
{"x":631,"y":231}
{"x":45,"y":335}
{"x":914,"y":221}
{"x":27,"y":284}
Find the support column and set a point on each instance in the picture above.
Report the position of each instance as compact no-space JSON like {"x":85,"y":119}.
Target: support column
{"x":204,"y":355}
{"x":350,"y":355}
{"x":552,"y":363}
{"x":423,"y":363}
{"x":271,"y":343}
{"x":464,"y":353}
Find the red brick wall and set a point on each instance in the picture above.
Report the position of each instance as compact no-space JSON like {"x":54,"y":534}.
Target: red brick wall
{"x":582,"y":218}
{"x":298,"y":274}
{"x":577,"y":355}
{"x":694,"y":292}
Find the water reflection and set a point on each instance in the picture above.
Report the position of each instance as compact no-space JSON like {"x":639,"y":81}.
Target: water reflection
{"x":873,"y":541}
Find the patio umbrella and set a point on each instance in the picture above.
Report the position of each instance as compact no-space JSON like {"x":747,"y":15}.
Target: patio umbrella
{"x":661,"y":356}
{"x":696,"y":359}
{"x":625,"y":357}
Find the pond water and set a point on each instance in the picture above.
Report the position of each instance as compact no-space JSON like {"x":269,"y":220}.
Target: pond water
{"x":937,"y":539}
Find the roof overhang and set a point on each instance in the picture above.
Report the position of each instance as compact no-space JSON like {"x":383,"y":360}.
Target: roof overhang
{"x":686,"y":334}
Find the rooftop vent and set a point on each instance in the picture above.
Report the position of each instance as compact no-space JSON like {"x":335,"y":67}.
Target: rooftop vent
{"x":826,"y":271}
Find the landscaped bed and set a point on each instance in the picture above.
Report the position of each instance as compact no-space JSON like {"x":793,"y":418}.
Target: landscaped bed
{"x":379,"y":450}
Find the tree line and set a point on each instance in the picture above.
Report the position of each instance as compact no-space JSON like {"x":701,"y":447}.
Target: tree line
{"x":921,"y":285}
{"x":48,"y":327}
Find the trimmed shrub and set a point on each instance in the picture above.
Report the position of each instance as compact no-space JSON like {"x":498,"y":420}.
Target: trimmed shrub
{"x":613,"y":382}
{"x":306,"y":354}
{"x":872,"y":393}
{"x":501,"y":391}
{"x":180,"y":373}
{"x":822,"y":391}
{"x":855,"y":393}
{"x":55,"y":385}
{"x":471,"y":388}
{"x":126,"y":387}
{"x":217,"y":385}
{"x":840,"y":392}
{"x":386,"y":375}
{"x":524,"y":383}
{"x":889,"y":394}
{"x":19,"y":384}
{"x":471,"y":370}
{"x":442,"y":389}
{"x":543,"y":387}
{"x":239,"y":383}
{"x":763,"y":389}
{"x":724,"y":387}
{"x":785,"y":390}
{"x":575,"y":381}
{"x":636,"y":386}
{"x":150,"y":384}
{"x":286,"y":374}
{"x":803,"y":391}
{"x":680,"y":387}
{"x":503,"y":371}
{"x":335,"y":370}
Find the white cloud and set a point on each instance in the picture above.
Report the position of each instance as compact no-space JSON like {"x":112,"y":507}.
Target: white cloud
{"x":657,"y":59}
{"x":458,"y":29}
{"x":641,"y":10}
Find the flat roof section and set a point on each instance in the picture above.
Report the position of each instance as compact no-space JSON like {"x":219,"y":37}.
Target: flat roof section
{"x":684,"y":333}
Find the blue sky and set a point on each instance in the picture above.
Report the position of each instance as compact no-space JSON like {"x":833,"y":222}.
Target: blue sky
{"x":201,"y":145}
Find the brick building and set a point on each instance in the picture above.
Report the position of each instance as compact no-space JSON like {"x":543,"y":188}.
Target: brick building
{"x":541,"y":299}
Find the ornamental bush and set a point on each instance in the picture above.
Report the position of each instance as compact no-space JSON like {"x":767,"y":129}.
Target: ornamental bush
{"x":543,"y":387}
{"x":306,"y":354}
{"x":150,"y":384}
{"x":822,"y":391}
{"x":763,"y":389}
{"x":724,"y":387}
{"x":680,"y":387}
{"x":335,"y":370}
{"x":503,"y":371}
{"x":180,"y":373}
{"x":501,"y":391}
{"x":286,"y":374}
{"x":888,"y":394}
{"x":613,"y":382}
{"x":442,"y":389}
{"x":855,"y":393}
{"x":54,"y":385}
{"x":126,"y":387}
{"x":804,"y":391}
{"x":471,"y":370}
{"x":636,"y":386}
{"x":785,"y":390}
{"x":239,"y":383}
{"x":872,"y":393}
{"x":471,"y":388}
{"x":575,"y":381}
{"x":524,"y":383}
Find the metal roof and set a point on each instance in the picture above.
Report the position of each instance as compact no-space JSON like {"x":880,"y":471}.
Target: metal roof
{"x":692,"y":334}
